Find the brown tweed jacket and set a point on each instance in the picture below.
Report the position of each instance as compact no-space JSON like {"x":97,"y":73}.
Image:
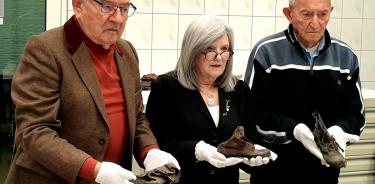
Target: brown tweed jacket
{"x":60,"y":113}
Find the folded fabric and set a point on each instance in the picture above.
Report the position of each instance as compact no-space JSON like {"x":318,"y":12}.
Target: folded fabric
{"x":168,"y":174}
{"x":327,"y":144}
{"x":240,"y":146}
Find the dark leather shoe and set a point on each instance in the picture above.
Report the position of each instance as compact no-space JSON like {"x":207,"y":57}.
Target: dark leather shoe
{"x":239,"y":146}
{"x":327,"y":144}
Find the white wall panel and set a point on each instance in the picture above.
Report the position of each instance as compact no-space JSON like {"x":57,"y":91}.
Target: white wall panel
{"x":264,"y":8}
{"x":191,"y":7}
{"x":163,"y":60}
{"x":352,"y":8}
{"x":368,"y":34}
{"x":166,"y":6}
{"x":351,"y":32}
{"x":368,"y":11}
{"x":158,"y":26}
{"x":165,"y":31}
{"x":241,"y":7}
{"x":241,"y":26}
{"x":139,"y":31}
{"x":216,"y":7}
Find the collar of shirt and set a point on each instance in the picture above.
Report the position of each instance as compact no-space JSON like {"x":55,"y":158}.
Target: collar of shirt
{"x":311,"y":54}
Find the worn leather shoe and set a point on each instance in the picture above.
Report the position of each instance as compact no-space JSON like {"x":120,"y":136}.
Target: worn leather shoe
{"x":327,"y":143}
{"x":240,"y":146}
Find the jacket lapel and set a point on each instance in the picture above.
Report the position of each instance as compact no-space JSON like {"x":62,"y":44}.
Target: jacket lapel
{"x":126,"y":77}
{"x":85,"y":68}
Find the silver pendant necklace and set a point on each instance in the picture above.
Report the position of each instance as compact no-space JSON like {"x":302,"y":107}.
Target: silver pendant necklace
{"x":210,"y":101}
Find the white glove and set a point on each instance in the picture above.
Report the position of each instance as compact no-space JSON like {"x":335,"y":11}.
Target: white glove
{"x":342,"y":137}
{"x":111,"y":173}
{"x":303,"y":134}
{"x":258,"y":161}
{"x":156,"y":158}
{"x":204,"y":151}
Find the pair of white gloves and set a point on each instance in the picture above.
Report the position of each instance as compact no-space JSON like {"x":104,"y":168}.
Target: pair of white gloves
{"x":209,"y":153}
{"x":111,"y":173}
{"x":303,"y":134}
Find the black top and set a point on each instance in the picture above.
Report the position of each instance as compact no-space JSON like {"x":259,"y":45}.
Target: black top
{"x":180,"y":118}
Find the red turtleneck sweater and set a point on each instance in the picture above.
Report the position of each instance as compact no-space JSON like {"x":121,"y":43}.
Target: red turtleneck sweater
{"x":106,"y":71}
{"x":114,"y":101}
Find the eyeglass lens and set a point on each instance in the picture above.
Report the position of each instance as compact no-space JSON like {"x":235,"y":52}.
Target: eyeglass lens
{"x":125,"y":10}
{"x":212,"y":55}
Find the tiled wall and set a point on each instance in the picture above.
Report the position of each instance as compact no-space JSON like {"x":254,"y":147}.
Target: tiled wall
{"x":157,"y":28}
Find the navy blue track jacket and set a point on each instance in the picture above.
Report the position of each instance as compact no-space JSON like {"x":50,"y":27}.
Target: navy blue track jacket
{"x":288,"y":88}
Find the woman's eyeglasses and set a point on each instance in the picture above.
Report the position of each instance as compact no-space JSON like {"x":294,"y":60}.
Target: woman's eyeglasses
{"x":211,"y":55}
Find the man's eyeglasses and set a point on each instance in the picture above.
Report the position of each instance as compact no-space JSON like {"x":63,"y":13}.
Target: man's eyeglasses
{"x":110,"y":8}
{"x":211,"y":55}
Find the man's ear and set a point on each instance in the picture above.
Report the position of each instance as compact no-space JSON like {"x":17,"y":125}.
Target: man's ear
{"x":287,"y":12}
{"x":77,"y":6}
{"x":74,"y":3}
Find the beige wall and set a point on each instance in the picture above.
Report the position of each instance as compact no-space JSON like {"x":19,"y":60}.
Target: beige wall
{"x":157,"y":28}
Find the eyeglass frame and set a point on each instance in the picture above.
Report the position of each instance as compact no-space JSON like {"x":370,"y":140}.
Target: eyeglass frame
{"x":216,"y":54}
{"x":115,"y":7}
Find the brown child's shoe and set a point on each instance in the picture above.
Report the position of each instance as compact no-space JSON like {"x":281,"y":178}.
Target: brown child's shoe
{"x":239,"y":146}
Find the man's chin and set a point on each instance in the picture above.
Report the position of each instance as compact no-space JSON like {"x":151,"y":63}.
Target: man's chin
{"x":111,"y":40}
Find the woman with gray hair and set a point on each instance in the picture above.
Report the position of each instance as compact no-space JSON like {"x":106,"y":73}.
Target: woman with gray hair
{"x":197,"y":106}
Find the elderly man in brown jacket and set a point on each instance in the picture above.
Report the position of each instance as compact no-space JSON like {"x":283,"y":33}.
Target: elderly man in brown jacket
{"x":79,"y":110}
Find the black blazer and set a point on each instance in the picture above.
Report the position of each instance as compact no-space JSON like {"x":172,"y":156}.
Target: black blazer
{"x":180,"y":118}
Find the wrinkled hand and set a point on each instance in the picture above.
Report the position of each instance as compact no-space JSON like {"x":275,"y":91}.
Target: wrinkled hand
{"x":206,"y":152}
{"x":111,"y":173}
{"x":157,"y":158}
{"x":258,"y":161}
{"x":342,"y":137}
{"x":303,"y":134}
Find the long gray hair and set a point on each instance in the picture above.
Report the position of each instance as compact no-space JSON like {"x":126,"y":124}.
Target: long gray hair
{"x":200,"y":35}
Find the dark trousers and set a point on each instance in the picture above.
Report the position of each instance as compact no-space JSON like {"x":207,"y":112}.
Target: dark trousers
{"x":295,"y":165}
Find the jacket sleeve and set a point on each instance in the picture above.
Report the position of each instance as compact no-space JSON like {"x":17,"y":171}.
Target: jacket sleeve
{"x":144,"y":139}
{"x":352,"y":119}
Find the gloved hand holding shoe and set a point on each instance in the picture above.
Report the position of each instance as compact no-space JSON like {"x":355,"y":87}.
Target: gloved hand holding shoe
{"x":111,"y":173}
{"x":342,"y":137}
{"x":157,"y":158}
{"x":209,"y":153}
{"x":258,"y":161}
{"x":303,"y":134}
